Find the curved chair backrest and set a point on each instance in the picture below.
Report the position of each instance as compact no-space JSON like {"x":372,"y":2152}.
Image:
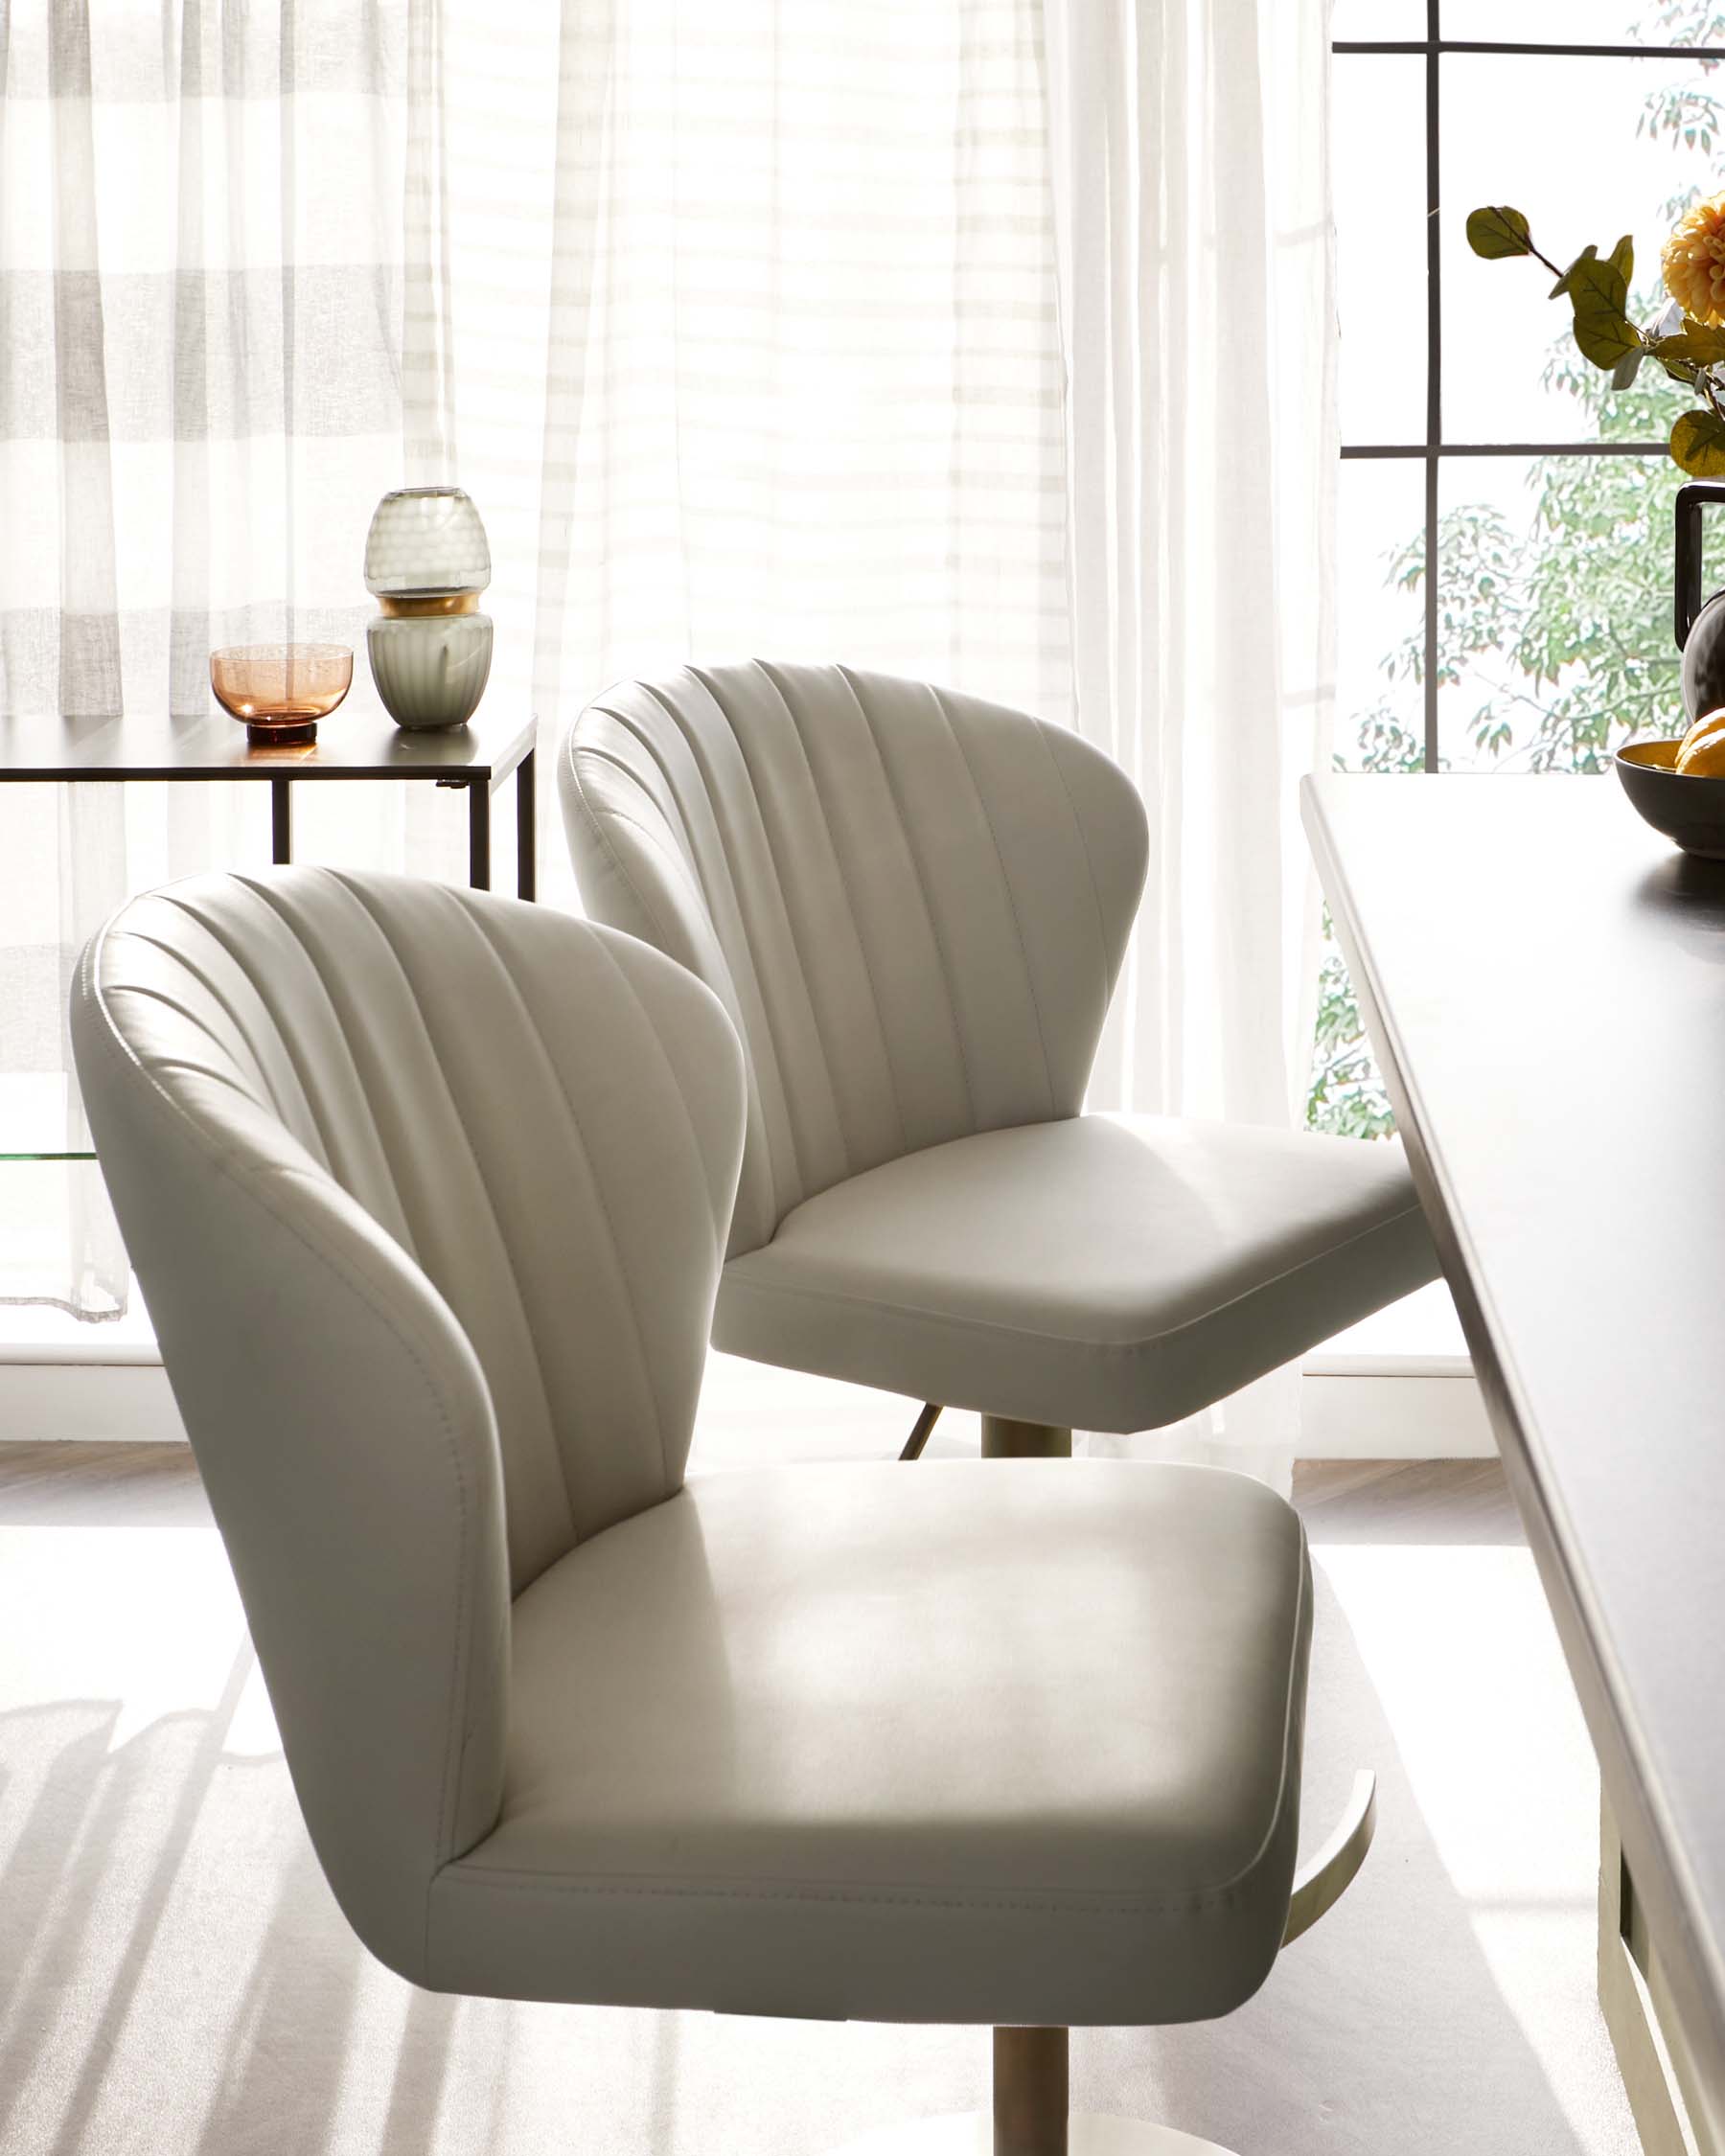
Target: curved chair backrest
{"x":913,"y":904}
{"x":430,"y":1225}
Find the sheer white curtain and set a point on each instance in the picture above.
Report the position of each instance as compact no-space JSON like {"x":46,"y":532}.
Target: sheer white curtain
{"x":203,"y":212}
{"x":1189,"y":144}
{"x":805,"y":389}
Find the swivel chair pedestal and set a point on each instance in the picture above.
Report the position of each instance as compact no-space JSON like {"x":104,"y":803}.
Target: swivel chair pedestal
{"x":1002,"y":1439}
{"x":1030,"y":2115}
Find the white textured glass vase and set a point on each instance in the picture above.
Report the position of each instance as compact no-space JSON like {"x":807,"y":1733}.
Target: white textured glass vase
{"x":428,"y":559}
{"x":430,"y":669}
{"x":426,"y":540}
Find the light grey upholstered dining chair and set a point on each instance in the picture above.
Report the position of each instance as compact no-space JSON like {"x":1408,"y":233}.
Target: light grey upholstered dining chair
{"x":915,"y":906}
{"x":427,"y":1192}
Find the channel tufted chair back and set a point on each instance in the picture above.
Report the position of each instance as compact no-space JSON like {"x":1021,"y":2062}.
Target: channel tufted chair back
{"x":430,"y":1225}
{"x":913,"y":904}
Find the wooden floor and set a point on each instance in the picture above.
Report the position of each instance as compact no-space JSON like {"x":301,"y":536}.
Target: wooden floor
{"x":86,"y":1485}
{"x":1455,"y":1501}
{"x":1425,"y":1501}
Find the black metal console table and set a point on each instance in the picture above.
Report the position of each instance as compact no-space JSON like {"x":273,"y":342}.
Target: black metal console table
{"x":357,"y":741}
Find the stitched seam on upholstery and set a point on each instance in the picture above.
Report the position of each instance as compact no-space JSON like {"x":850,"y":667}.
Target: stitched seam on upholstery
{"x":805,"y":975}
{"x":595,"y":824}
{"x":1071,"y":1901}
{"x":1072,"y":1904}
{"x":190,"y":1070}
{"x":751,"y":1076}
{"x":457,"y":1110}
{"x":994,"y":1326}
{"x":166,"y":1001}
{"x":216,"y":932}
{"x":737,"y":1026}
{"x":721,"y":1225}
{"x":1017,"y":927}
{"x":214,"y":991}
{"x":1044,"y":732}
{"x":289,"y":1048}
{"x":844,"y":885}
{"x":642,"y":1357}
{"x":647,"y":832}
{"x":780,"y":1063}
{"x":228,"y":1160}
{"x":598,"y":753}
{"x":777,"y":1205}
{"x":922,"y":886}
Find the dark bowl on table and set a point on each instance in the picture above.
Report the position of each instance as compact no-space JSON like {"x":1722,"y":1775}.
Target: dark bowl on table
{"x":1689,"y":810}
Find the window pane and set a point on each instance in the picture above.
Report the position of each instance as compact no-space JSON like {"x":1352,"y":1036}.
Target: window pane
{"x":1585,"y":22}
{"x":1555,"y":616}
{"x":1379,"y":154}
{"x":1378,"y":18}
{"x":1379,"y":727}
{"x":1558,"y":139}
{"x":1381,"y":611}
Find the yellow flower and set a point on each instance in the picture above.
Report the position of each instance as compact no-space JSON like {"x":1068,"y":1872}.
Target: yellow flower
{"x":1694,"y":262}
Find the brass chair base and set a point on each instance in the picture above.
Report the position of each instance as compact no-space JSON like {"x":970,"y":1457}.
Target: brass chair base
{"x":1002,"y":1439}
{"x":971,"y":2133}
{"x":1030,"y":2116}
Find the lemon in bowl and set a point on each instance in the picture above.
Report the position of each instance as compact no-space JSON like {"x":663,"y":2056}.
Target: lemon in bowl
{"x":1686,"y":802}
{"x":1701,"y":754}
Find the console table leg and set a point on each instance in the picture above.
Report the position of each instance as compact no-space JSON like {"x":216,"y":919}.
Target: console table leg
{"x":479,"y":835}
{"x":281,"y":819}
{"x":1652,"y":2053}
{"x":526,"y":829}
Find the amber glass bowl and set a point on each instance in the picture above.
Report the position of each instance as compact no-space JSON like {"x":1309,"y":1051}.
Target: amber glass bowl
{"x":281,"y":691}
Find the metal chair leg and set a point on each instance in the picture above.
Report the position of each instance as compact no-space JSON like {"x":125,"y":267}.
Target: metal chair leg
{"x":919,"y":1432}
{"x":1030,"y":2092}
{"x":1030,"y":2116}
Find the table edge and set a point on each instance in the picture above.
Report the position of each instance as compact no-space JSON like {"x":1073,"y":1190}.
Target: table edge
{"x":493,"y":769}
{"x":1661,"y":1871}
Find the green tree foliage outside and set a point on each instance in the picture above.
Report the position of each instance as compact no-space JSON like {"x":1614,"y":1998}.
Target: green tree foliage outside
{"x":1555,"y":633}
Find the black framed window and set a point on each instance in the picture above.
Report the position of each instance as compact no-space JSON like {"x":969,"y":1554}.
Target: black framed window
{"x":1476,"y":439}
{"x":1474,"y":436}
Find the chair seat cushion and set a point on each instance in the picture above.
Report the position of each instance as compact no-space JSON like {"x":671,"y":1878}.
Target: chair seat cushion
{"x":1100,"y":1272}
{"x":1004,"y":1741}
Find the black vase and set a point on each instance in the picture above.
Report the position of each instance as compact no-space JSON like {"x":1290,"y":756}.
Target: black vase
{"x":1700,"y":629}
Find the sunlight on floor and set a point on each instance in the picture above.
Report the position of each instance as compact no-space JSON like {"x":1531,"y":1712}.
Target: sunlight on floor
{"x":180,"y":1977}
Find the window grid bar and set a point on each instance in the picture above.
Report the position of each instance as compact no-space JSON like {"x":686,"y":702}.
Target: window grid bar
{"x":1434,"y":377}
{"x":1439,"y":45}
{"x":1352,"y":449}
{"x":1433,"y":448}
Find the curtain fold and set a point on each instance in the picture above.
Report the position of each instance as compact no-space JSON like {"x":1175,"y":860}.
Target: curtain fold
{"x":1189,"y":159}
{"x":202,"y":235}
